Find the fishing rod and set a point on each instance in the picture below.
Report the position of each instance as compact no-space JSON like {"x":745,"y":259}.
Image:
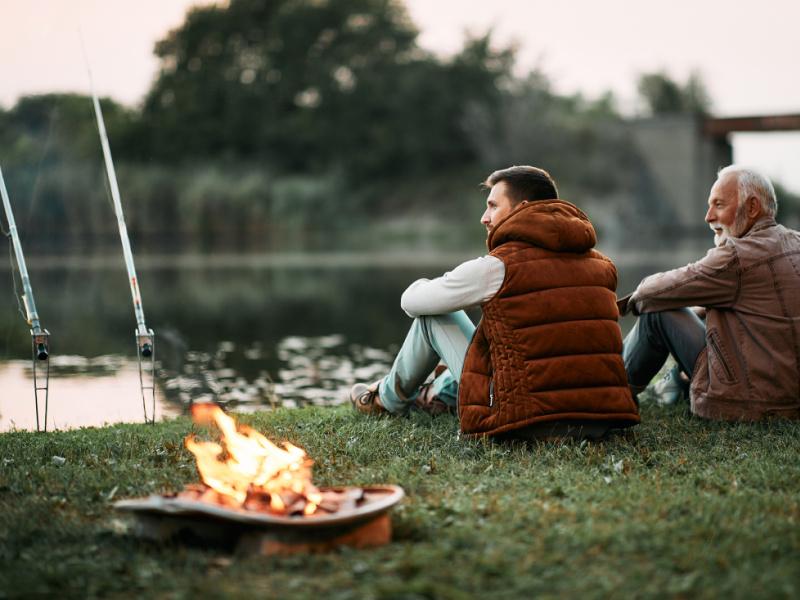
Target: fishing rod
{"x":145,"y":338}
{"x":40,"y":338}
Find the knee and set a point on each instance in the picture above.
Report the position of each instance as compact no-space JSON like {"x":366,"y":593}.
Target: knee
{"x":673,"y":317}
{"x":423,"y":325}
{"x":424,"y":321}
{"x":660,"y":324}
{"x":444,"y":319}
{"x":649,"y":327}
{"x":656,"y":320}
{"x":647,"y":322}
{"x":427,"y":324}
{"x":430,"y":324}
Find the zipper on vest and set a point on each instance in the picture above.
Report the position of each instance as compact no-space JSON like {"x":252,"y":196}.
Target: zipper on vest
{"x":491,"y":392}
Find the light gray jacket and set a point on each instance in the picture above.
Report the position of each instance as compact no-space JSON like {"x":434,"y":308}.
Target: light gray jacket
{"x":750,"y":368}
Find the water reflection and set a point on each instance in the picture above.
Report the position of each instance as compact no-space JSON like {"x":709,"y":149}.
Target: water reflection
{"x":248,"y":334}
{"x":84,"y":392}
{"x":309,"y":370}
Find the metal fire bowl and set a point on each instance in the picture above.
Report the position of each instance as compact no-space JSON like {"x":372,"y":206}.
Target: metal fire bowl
{"x":162,"y":518}
{"x":377,"y":499}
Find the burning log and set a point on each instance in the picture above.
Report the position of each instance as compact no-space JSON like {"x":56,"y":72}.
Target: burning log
{"x":332,"y":500}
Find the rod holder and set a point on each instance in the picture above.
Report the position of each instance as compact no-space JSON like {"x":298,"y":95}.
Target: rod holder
{"x":145,"y":343}
{"x":40,"y":344}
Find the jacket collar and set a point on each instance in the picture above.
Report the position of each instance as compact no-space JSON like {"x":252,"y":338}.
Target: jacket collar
{"x":555,"y":225}
{"x":761,"y":224}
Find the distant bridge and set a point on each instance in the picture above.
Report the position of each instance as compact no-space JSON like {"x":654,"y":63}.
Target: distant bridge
{"x":719,"y":127}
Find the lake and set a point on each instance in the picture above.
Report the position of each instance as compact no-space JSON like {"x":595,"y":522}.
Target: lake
{"x":249,"y":331}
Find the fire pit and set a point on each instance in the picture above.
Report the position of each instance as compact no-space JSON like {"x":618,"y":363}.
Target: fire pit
{"x":363,"y":523}
{"x":259,"y":498}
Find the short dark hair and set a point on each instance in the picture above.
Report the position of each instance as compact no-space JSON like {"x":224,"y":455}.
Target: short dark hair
{"x":525,"y":183}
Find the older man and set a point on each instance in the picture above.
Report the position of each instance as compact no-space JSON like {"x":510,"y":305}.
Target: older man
{"x":545,"y":360}
{"x":744,"y":360}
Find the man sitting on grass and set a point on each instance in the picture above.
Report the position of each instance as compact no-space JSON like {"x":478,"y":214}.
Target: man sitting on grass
{"x":744,"y":360}
{"x":545,"y":360}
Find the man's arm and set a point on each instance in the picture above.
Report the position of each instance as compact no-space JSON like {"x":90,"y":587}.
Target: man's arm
{"x":713,"y":281}
{"x":622,"y":305}
{"x":470,"y":284}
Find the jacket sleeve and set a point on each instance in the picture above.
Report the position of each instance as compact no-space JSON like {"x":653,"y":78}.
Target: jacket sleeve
{"x":470,"y":284}
{"x":713,"y":281}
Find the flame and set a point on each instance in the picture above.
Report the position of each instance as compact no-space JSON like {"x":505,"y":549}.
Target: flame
{"x":253,"y":464}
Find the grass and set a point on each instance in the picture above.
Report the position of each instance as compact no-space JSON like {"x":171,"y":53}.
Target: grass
{"x":678,"y":507}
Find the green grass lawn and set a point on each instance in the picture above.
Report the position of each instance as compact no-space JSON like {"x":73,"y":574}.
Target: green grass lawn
{"x":678,"y":507}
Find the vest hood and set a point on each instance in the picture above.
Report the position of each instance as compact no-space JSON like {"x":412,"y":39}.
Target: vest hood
{"x":555,"y":225}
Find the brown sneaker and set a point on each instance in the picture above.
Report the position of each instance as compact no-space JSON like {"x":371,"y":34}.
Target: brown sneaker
{"x":365,"y":399}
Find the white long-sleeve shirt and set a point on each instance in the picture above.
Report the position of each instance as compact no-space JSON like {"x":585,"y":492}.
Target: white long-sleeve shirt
{"x":470,"y":284}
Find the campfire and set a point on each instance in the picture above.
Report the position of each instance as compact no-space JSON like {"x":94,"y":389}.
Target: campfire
{"x":249,"y":471}
{"x":262,"y":494}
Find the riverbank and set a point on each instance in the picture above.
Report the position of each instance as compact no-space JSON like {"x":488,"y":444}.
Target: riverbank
{"x":677,"y":507}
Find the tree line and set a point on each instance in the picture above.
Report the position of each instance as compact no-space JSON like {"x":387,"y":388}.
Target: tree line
{"x":276,"y":118}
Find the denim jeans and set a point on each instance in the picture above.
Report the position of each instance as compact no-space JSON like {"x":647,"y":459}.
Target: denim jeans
{"x":430,"y":339}
{"x":655,"y":336}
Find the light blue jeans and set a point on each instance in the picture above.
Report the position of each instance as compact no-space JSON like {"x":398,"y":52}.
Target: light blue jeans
{"x":430,"y":340}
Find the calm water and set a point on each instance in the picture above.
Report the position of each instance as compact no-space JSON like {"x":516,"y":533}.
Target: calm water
{"x":248,"y":331}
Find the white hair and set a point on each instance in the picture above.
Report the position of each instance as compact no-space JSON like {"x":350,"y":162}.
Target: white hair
{"x":750,"y":182}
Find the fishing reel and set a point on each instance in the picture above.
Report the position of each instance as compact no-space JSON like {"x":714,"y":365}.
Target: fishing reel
{"x":41,"y":346}
{"x":145,"y":343}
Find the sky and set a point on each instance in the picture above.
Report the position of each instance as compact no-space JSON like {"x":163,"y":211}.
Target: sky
{"x":747,"y":51}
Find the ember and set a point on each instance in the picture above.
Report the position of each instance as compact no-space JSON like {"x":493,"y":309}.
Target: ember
{"x":247,"y":470}
{"x":332,"y":500}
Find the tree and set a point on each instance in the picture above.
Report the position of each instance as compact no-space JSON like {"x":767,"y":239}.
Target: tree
{"x":583,"y":143}
{"x":53,"y":165}
{"x":48,"y":128}
{"x":308,"y":85}
{"x":664,"y":96}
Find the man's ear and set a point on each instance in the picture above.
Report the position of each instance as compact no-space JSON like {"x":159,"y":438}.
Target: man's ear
{"x":754,"y":209}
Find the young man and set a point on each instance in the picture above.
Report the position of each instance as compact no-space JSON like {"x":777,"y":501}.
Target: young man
{"x":545,"y":360}
{"x":744,"y":360}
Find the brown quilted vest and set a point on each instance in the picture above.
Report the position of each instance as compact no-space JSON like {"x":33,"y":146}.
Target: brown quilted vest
{"x":548,"y":347}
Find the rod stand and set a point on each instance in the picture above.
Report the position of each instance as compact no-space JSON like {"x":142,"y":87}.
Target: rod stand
{"x":40,"y":353}
{"x":146,"y":353}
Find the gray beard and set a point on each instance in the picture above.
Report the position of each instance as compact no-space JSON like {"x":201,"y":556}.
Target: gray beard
{"x":738,"y":228}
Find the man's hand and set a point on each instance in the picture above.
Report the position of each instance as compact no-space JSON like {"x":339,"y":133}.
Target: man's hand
{"x":622,"y":305}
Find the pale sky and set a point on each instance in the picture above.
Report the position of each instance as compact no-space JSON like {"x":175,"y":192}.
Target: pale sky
{"x":747,"y":51}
